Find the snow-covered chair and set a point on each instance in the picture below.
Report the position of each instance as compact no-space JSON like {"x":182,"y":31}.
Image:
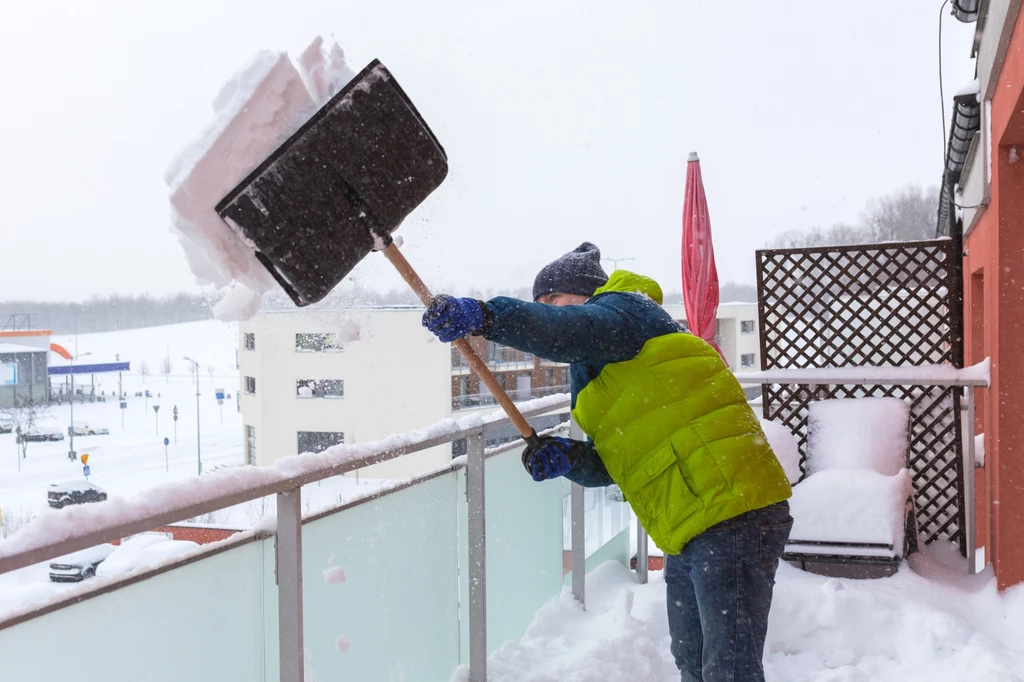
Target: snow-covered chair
{"x":854,"y":514}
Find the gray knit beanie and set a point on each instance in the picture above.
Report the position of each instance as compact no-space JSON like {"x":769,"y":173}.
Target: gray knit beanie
{"x":577,"y":272}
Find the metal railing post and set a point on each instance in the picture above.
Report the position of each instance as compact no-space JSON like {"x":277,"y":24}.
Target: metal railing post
{"x":969,"y":493}
{"x":641,"y":553}
{"x":288,"y":544}
{"x":477,"y":539}
{"x":577,"y":514}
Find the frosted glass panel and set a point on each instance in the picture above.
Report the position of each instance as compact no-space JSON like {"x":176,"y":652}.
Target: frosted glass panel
{"x":202,"y":621}
{"x":398,"y":606}
{"x":606,"y":515}
{"x":524,"y":548}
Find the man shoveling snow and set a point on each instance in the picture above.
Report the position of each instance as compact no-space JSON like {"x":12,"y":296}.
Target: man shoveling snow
{"x":669,"y":424}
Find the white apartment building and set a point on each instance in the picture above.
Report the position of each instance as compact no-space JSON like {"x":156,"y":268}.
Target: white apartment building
{"x":312,"y":378}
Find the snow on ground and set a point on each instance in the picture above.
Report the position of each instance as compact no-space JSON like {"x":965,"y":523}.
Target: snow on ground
{"x":928,"y":622}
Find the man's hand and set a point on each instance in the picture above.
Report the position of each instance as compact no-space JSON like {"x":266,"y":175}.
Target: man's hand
{"x":451,"y":318}
{"x":551,"y":457}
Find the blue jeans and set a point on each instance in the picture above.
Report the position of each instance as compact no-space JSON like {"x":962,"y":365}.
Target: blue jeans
{"x":719,"y":592}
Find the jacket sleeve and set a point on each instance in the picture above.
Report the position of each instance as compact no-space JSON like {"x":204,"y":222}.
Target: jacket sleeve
{"x":596,"y":332}
{"x":590,"y":472}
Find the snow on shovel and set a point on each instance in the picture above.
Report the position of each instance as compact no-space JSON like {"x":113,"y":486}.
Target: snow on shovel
{"x":337,"y":189}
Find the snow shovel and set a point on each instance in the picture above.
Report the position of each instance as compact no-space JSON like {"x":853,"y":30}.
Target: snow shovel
{"x":337,"y":189}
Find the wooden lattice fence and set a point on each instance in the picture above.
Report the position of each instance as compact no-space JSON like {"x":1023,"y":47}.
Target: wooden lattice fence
{"x":892,"y":304}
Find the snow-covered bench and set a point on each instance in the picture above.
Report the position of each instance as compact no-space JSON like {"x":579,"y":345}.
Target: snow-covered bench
{"x":853,"y":514}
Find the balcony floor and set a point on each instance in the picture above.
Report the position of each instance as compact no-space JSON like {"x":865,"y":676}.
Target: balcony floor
{"x":928,"y":622}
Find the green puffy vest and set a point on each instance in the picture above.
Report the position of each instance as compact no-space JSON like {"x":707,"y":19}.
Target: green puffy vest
{"x":673,"y":428}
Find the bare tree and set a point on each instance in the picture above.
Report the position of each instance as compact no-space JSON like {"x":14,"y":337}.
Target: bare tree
{"x":210,"y":370}
{"x":837,"y":235}
{"x":165,"y":368}
{"x":23,"y":417}
{"x":907,"y":214}
{"x":144,"y":370}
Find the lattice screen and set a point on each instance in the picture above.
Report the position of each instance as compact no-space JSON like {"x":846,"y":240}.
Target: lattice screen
{"x":878,"y":304}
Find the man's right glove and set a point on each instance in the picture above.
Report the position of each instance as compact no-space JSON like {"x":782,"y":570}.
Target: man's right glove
{"x":551,"y":456}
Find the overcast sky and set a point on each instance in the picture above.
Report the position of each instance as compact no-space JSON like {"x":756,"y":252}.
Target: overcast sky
{"x":563,"y":122}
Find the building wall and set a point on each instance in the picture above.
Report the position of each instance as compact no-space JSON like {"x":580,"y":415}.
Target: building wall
{"x":994,"y":308}
{"x":396,"y":379}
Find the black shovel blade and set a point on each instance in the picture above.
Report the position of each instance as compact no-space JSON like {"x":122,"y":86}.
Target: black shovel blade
{"x":338,"y":187}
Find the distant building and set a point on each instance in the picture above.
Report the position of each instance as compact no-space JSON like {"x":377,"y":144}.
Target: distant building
{"x":24,"y":357}
{"x":313,"y":378}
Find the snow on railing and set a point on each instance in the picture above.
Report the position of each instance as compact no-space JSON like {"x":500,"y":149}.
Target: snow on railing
{"x":59,"y":532}
{"x":978,"y":375}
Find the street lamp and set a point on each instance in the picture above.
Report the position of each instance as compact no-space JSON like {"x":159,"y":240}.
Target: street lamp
{"x":199,"y":456}
{"x":71,"y":454}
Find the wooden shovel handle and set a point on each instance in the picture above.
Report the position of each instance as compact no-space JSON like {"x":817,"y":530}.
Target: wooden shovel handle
{"x":393,"y":254}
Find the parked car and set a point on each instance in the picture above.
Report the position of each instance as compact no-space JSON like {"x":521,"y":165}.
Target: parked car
{"x":42,"y":435}
{"x":141,"y":551}
{"x":6,"y":426}
{"x":74,"y":492}
{"x":88,"y":429}
{"x":79,"y":566}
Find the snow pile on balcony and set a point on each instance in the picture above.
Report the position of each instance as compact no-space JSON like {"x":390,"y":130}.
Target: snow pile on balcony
{"x":255,"y":111}
{"x":930,"y":623}
{"x":861,"y":433}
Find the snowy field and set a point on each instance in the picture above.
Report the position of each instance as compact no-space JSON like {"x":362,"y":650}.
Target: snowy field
{"x":131,"y":457}
{"x":928,"y":623}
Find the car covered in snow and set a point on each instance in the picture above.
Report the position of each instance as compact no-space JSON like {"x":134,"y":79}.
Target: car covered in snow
{"x":74,"y":492}
{"x":141,"y":551}
{"x":79,"y":566}
{"x":42,"y":435}
{"x":88,"y":429}
{"x":6,"y":426}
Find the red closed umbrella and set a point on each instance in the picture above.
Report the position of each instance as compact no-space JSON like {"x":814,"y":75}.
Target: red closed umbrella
{"x":700,"y":277}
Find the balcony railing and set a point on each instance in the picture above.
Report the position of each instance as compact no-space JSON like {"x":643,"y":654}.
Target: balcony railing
{"x":474,"y":400}
{"x":240,"y":607}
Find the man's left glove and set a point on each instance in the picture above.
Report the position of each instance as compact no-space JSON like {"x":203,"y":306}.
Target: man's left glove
{"x":451,"y":318}
{"x":551,"y":456}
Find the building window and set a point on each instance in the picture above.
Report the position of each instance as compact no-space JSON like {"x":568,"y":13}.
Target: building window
{"x":318,"y":441}
{"x":549,"y":377}
{"x":316,"y":343}
{"x":320,"y":388}
{"x":747,"y":327}
{"x":748,"y":360}
{"x":463,"y":385}
{"x":250,"y":445}
{"x":250,"y":385}
{"x":250,"y":342}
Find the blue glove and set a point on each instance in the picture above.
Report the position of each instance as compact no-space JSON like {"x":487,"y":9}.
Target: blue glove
{"x":551,"y":456}
{"x":451,"y":318}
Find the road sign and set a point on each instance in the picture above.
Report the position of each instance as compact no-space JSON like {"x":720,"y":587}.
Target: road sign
{"x":85,"y":459}
{"x":167,"y":441}
{"x":220,"y":393}
{"x":175,"y":413}
{"x":124,"y":405}
{"x":156,"y":408}
{"x":86,"y":470}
